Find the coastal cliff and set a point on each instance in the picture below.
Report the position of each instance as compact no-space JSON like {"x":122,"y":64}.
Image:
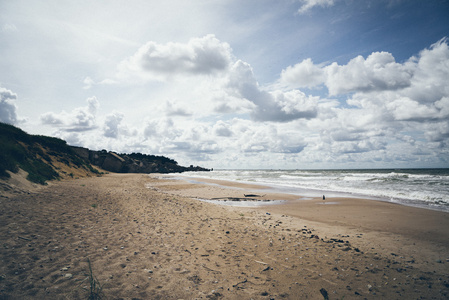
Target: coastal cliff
{"x":132,"y":163}
{"x":46,"y":158}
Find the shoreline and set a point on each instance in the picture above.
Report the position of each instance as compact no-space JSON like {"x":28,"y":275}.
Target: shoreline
{"x":150,"y":238}
{"x":313,"y":193}
{"x":387,"y":226}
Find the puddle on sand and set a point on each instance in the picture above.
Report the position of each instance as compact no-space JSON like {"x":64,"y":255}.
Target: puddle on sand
{"x":243,"y":203}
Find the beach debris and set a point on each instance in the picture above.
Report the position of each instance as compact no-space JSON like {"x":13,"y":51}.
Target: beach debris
{"x":209,"y":269}
{"x":68,"y":276}
{"x":337,"y":240}
{"x":214,"y":295}
{"x":241,"y":282}
{"x":324,"y":293}
{"x":261,"y":262}
{"x":195,"y":279}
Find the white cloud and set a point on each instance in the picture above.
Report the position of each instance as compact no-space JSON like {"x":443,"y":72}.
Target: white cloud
{"x":8,"y":107}
{"x":390,"y":103}
{"x":222,"y":129}
{"x":377,"y":73}
{"x":274,"y":106}
{"x":89,"y":82}
{"x":303,"y":74}
{"x":163,"y":128}
{"x":309,"y":4}
{"x":423,"y":77}
{"x":429,"y":82}
{"x":79,"y":119}
{"x":172,"y":108}
{"x":200,"y":56}
{"x":112,"y":125}
{"x":393,"y":111}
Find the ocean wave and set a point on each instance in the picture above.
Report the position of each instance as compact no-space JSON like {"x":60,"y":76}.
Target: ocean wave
{"x":414,"y":186}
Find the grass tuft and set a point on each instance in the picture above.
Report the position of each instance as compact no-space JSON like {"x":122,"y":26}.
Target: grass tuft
{"x":96,"y":289}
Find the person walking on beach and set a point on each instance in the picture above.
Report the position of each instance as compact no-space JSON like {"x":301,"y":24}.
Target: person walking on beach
{"x":324,"y":198}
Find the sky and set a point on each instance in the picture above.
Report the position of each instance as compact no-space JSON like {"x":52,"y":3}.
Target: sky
{"x":232,"y":84}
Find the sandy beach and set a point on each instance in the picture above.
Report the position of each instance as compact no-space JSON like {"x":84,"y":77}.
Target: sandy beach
{"x":149,"y":237}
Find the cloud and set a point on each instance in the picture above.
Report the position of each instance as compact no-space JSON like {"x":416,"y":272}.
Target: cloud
{"x":79,"y":119}
{"x":309,"y":4}
{"x":406,"y":109}
{"x":89,"y":82}
{"x":384,"y":112}
{"x":200,"y":56}
{"x":163,"y":128}
{"x":378,"y":72}
{"x":172,"y":108}
{"x":222,"y":129}
{"x":276,"y":106}
{"x":421,"y":78}
{"x":8,"y":107}
{"x":303,"y":74}
{"x":429,"y":82}
{"x":112,"y":124}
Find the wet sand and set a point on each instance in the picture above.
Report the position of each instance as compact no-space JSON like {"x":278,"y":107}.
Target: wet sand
{"x":150,"y":238}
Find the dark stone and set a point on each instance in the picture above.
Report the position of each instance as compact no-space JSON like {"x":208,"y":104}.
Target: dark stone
{"x":324,"y":293}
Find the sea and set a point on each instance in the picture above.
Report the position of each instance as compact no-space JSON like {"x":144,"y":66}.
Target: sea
{"x":426,"y":188}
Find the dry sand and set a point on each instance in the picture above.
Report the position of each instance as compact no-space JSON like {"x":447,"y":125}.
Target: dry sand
{"x":147,"y":238}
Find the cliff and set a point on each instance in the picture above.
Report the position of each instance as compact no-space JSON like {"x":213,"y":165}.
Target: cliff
{"x":132,"y":163}
{"x":46,"y":158}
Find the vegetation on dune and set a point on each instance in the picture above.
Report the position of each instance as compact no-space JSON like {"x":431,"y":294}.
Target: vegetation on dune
{"x":46,"y":158}
{"x":153,"y":158}
{"x":34,"y":154}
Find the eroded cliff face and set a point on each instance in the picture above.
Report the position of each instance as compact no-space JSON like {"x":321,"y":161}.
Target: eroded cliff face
{"x":132,"y":163}
{"x":38,"y":159}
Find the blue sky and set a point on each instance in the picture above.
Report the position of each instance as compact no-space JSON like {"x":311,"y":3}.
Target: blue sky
{"x":234,"y":84}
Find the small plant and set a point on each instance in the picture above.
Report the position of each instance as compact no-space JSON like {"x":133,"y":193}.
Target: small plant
{"x":96,"y":289}
{"x":94,"y":205}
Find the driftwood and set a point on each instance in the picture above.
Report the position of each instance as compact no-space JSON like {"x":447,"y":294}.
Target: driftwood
{"x":244,"y":281}
{"x":209,"y":269}
{"x":253,"y":195}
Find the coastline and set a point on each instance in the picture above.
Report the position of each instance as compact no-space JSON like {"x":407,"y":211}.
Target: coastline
{"x":424,"y":188}
{"x":150,"y":238}
{"x":386,"y":227}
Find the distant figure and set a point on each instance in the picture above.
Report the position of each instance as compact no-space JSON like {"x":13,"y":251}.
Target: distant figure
{"x":324,"y":198}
